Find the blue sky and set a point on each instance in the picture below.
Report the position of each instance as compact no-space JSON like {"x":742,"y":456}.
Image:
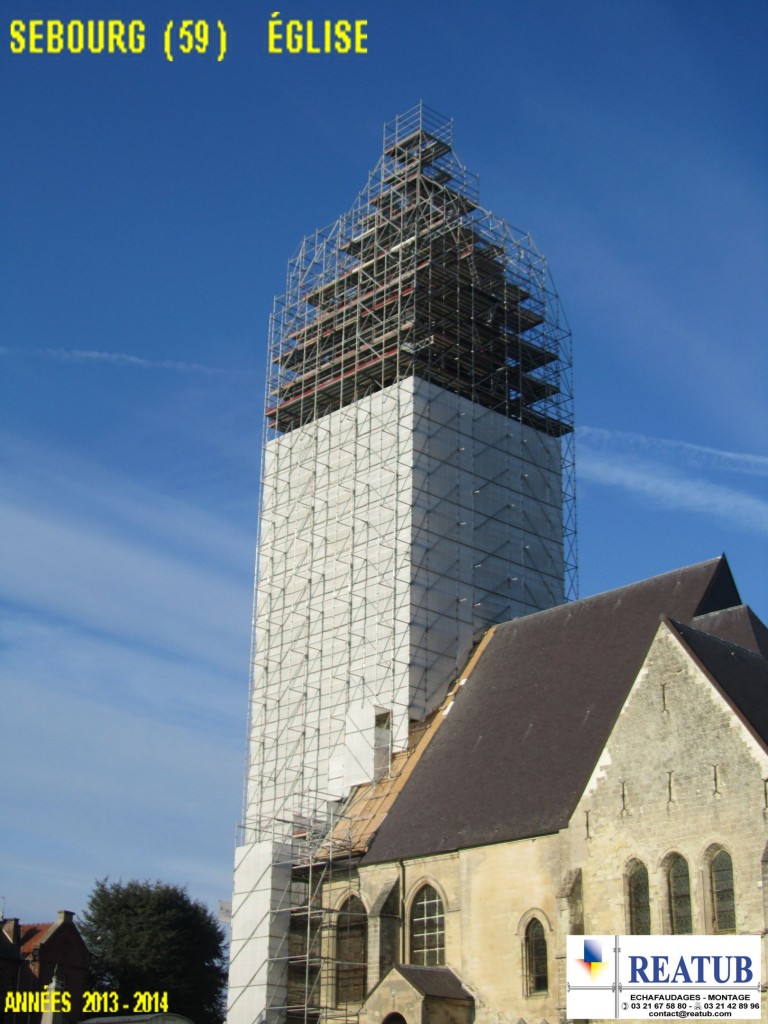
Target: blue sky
{"x":148,"y":213}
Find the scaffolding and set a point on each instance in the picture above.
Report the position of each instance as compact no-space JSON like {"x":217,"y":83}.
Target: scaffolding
{"x":321,"y":965}
{"x":417,"y":280}
{"x":417,"y":487}
{"x":309,"y":981}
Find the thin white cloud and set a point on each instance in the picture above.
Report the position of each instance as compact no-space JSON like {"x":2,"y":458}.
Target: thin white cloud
{"x":110,"y":581}
{"x":150,"y":684}
{"x":105,"y":554}
{"x":680,"y":451}
{"x":124,"y":639}
{"x":87,"y":492}
{"x":90,"y":355}
{"x":111,"y":792}
{"x":673,"y":475}
{"x":118,"y":358}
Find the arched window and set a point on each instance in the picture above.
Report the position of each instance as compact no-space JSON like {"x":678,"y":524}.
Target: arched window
{"x":351,"y":952}
{"x":536,"y":957}
{"x":721,"y":885}
{"x":679,"y":896}
{"x":639,"y":900}
{"x":427,"y":929}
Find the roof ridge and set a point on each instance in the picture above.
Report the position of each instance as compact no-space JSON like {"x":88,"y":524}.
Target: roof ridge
{"x":618,"y":591}
{"x":719,"y":611}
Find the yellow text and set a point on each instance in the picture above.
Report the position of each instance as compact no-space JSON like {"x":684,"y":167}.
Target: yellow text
{"x":327,"y":36}
{"x":92,"y":36}
{"x":54,"y":1001}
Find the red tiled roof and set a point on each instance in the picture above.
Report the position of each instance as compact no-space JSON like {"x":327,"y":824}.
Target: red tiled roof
{"x":32,"y":934}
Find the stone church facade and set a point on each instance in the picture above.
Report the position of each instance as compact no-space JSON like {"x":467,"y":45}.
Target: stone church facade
{"x":599,"y":768}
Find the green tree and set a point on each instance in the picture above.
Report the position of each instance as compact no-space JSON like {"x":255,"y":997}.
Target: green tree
{"x":152,"y":937}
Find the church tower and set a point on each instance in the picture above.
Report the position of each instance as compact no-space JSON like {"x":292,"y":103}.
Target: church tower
{"x":416,"y":488}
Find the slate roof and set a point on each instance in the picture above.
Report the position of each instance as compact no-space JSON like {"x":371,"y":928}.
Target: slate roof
{"x":741,"y":674}
{"x":740,"y":625}
{"x":435,"y":982}
{"x":513,"y":755}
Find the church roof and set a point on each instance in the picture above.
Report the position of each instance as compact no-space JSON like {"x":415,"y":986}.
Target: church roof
{"x":435,"y":982}
{"x":520,"y":740}
{"x":740,"y":625}
{"x":741,"y":674}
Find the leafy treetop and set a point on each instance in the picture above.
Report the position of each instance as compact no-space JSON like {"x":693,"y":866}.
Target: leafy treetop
{"x":150,"y":936}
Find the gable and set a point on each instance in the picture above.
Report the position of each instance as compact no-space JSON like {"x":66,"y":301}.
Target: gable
{"x":412,"y":989}
{"x":721,"y":591}
{"x":678,"y":744}
{"x":681,"y":776}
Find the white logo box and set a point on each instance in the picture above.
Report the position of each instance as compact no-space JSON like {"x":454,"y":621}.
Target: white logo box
{"x":643,"y":977}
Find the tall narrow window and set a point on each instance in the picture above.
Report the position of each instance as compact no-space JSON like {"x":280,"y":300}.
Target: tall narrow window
{"x":536,"y":957}
{"x":427,"y":929}
{"x":679,"y":897}
{"x":351,"y":952}
{"x":723,"y":902}
{"x":382,"y":743}
{"x":639,"y":900}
